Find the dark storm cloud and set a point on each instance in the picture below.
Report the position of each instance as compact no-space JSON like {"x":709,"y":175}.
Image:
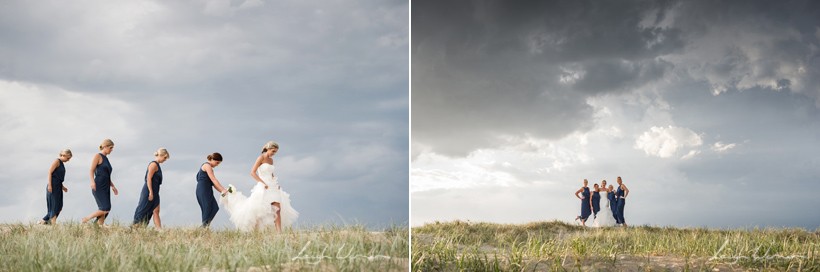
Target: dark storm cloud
{"x":512,"y":55}
{"x":737,"y":45}
{"x":153,"y":47}
{"x":611,"y":76}
{"x":487,"y":68}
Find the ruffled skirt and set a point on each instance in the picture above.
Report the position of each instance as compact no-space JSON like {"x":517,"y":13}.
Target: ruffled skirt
{"x":256,"y":211}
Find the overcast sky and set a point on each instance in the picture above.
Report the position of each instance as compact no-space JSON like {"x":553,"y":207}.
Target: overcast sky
{"x":327,"y":80}
{"x":707,"y":109}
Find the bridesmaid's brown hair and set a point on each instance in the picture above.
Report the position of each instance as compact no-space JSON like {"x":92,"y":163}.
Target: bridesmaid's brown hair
{"x":215,"y":156}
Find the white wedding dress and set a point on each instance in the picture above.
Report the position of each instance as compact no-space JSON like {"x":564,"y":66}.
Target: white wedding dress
{"x":605,"y":217}
{"x":256,"y":211}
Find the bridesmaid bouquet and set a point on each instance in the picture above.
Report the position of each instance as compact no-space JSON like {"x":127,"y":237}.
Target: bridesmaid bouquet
{"x":230,"y":190}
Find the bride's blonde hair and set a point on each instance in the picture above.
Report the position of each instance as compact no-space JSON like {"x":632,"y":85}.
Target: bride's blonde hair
{"x":269,"y":145}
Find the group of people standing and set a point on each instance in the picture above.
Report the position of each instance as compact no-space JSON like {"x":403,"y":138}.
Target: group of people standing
{"x":273,"y":206}
{"x":591,"y":204}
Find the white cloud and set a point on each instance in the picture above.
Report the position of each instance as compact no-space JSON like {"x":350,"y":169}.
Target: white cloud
{"x":570,"y":75}
{"x":432,"y":171}
{"x":46,"y":114}
{"x":665,"y":142}
{"x":720,"y":147}
{"x":691,"y":154}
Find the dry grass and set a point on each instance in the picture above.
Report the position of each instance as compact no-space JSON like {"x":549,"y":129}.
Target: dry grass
{"x":556,"y":246}
{"x":86,"y":247}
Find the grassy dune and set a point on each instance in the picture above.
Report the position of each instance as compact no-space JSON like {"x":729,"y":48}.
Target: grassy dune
{"x":87,"y":247}
{"x":556,"y":246}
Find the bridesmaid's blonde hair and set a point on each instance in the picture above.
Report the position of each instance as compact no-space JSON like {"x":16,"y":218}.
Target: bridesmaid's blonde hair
{"x":66,"y":152}
{"x":162,"y":152}
{"x":106,"y":143}
{"x":269,"y":145}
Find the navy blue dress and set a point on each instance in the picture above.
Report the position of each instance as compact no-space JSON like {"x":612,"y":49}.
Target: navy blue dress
{"x":54,"y":199}
{"x":585,"y":210}
{"x":102,"y":179}
{"x":145,"y":208}
{"x":619,"y":214}
{"x":596,"y":203}
{"x":205,"y":197}
{"x":613,"y":204}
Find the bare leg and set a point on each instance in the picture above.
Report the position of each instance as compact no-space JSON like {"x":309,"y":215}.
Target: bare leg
{"x":157,"y":221}
{"x":96,"y":214}
{"x":53,"y":220}
{"x":101,"y":218}
{"x":278,"y":216}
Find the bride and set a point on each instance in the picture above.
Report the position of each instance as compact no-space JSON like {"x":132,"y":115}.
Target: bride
{"x":604,"y":218}
{"x":268,"y":204}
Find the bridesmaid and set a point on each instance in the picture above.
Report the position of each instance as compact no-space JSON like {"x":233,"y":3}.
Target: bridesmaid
{"x":205,"y":182}
{"x":149,"y":198}
{"x":596,"y":201}
{"x":101,"y":183}
{"x":586,"y":203}
{"x":55,"y":187}
{"x":621,"y":195}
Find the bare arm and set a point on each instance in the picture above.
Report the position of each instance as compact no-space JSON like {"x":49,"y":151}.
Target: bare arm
{"x":578,"y":192}
{"x":51,"y":169}
{"x":626,"y":191}
{"x":113,"y":188}
{"x":94,"y":162}
{"x":256,"y":165}
{"x":152,"y":168}
{"x":210,"y":170}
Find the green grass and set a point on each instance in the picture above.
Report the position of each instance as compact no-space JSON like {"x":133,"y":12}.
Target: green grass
{"x":87,"y":247}
{"x":557,"y":246}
